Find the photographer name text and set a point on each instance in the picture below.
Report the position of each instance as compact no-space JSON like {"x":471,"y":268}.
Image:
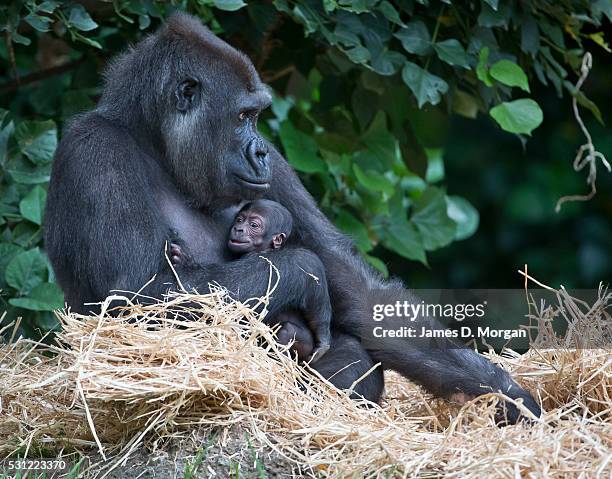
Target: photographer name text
{"x":463,"y":332}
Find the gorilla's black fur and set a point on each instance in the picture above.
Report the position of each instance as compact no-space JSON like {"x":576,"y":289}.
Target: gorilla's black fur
{"x":172,"y":149}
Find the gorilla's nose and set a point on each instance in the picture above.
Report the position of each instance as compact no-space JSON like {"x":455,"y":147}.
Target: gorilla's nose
{"x":257,"y":154}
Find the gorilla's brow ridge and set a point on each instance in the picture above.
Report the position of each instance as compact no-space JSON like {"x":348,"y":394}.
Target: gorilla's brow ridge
{"x":198,"y":35}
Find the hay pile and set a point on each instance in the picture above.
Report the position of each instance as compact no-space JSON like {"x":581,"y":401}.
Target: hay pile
{"x":111,"y":383}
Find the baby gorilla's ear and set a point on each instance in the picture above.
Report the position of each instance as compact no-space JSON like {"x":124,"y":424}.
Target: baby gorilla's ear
{"x":278,"y":240}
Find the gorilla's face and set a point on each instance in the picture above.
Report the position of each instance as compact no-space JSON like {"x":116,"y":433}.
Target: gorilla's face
{"x":211,"y":138}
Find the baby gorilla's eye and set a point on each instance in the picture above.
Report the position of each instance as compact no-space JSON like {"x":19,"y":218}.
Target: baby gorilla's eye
{"x":254,"y":225}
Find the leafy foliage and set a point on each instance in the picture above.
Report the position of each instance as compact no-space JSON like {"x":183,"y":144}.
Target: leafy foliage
{"x":25,"y":274}
{"x":364,"y":92}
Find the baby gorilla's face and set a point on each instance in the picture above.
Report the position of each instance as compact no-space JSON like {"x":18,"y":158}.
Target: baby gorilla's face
{"x":248,"y":233}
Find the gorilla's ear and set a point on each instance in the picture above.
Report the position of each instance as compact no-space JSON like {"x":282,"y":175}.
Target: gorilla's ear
{"x":278,"y":240}
{"x":185,"y":93}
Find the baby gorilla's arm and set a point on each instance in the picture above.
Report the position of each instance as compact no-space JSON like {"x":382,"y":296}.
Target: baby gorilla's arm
{"x":305,"y":290}
{"x":314,"y":298}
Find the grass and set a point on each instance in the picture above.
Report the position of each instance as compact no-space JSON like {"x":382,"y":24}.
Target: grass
{"x":259,"y":467}
{"x":191,"y":468}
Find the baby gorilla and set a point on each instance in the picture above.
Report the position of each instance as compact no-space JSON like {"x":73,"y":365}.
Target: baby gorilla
{"x":259,"y":227}
{"x":263,"y":226}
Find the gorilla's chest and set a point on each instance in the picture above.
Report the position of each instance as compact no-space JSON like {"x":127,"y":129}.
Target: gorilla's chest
{"x":203,"y":235}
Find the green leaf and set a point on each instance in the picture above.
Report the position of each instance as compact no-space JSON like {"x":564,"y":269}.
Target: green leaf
{"x":31,"y":175}
{"x":482,"y":71}
{"x":387,"y":62}
{"x":465,"y":104}
{"x":518,"y":116}
{"x":509,"y":73}
{"x":431,"y":219}
{"x":80,"y":19}
{"x":7,"y":252}
{"x":301,"y":149}
{"x":390,"y":13}
{"x":281,"y":107}
{"x":435,"y":165}
{"x":351,"y":226}
{"x":403,"y":238}
{"x":589,"y":104}
{"x":32,"y":206}
{"x":494,"y":17}
{"x":26,"y":271}
{"x":38,"y":22}
{"x":26,"y":234}
{"x":530,"y":35}
{"x":358,"y":54}
{"x":17,"y":38}
{"x":415,"y":38}
{"x":599,"y":7}
{"x":464,"y":215}
{"x":48,"y":6}
{"x":86,"y":40}
{"x":373,"y":181}
{"x":553,"y":32}
{"x":44,"y":297}
{"x":144,"y":21}
{"x":452,"y":52}
{"x":5,"y":134}
{"x":8,"y":211}
{"x":380,"y":141}
{"x":229,"y":5}
{"x":46,"y":321}
{"x":377,"y":264}
{"x":427,"y":88}
{"x":600,"y":39}
{"x":355,"y":6}
{"x":37,"y":140}
{"x":346,"y":36}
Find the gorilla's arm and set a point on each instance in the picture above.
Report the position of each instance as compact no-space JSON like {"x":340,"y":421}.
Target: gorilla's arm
{"x":445,"y":369}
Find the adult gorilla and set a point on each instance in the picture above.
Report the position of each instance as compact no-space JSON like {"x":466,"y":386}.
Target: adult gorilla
{"x":171,"y":151}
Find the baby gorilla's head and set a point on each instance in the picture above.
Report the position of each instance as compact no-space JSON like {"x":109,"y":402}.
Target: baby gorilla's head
{"x":260,"y":226}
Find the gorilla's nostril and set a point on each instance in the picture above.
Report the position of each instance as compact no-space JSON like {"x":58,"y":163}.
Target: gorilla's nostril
{"x":257,"y":154}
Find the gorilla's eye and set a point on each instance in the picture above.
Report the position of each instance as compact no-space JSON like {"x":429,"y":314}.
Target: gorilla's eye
{"x":185,"y":92}
{"x":248,"y":114}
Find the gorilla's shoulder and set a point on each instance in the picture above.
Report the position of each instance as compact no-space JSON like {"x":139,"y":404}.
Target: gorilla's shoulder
{"x":89,"y":124}
{"x":92,"y":141}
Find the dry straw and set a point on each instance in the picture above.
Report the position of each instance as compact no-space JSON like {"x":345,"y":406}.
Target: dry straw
{"x":110,"y":383}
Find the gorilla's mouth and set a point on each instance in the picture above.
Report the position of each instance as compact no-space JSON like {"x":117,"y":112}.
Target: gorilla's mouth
{"x":253,"y":183}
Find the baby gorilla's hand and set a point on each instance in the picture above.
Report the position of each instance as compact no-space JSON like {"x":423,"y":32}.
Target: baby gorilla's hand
{"x":176,"y":254}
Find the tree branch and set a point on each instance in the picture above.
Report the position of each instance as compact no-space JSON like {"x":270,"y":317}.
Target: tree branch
{"x":39,"y":75}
